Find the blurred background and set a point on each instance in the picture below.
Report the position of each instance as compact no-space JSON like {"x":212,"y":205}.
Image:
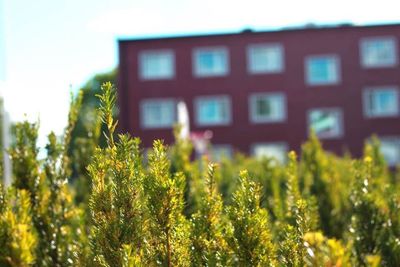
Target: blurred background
{"x":49,"y":49}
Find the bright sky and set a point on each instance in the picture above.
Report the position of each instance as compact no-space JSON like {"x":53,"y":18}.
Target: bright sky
{"x":50,"y":46}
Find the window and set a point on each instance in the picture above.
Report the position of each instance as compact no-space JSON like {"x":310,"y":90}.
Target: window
{"x":381,"y":102}
{"x":218,"y":152}
{"x":158,"y":113}
{"x":390,"y":149}
{"x":278,"y":151}
{"x":158,"y":64}
{"x":322,"y":70}
{"x":326,"y":122}
{"x":265,"y":58}
{"x":146,"y":153}
{"x":213,"y":110}
{"x":211,"y":62}
{"x":268,"y":107}
{"x":378,"y":52}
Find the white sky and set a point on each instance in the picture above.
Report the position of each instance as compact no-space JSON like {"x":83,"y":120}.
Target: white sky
{"x":50,"y":46}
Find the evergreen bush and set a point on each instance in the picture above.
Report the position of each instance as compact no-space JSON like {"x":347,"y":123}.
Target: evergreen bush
{"x":87,"y":204}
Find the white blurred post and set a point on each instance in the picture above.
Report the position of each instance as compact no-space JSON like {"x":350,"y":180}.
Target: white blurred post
{"x":183,"y":120}
{"x":5,"y":120}
{"x":5,"y":127}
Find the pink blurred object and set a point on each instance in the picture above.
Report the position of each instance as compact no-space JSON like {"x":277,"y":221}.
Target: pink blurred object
{"x":201,"y":141}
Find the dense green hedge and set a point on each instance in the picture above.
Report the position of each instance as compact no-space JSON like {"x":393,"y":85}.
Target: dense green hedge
{"x":317,"y":210}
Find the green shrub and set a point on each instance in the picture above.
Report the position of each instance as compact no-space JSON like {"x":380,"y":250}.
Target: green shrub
{"x":317,"y":210}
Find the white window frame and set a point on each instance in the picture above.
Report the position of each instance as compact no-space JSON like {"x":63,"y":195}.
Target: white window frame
{"x":363,"y":46}
{"x":282,"y":145}
{"x":368,"y":113}
{"x":200,"y":73}
{"x":337,"y":68}
{"x":256,"y":118}
{"x":393,"y":141}
{"x":160,"y":52}
{"x":228,"y":148}
{"x":143,"y":121}
{"x":198,"y":102}
{"x":340,"y":125}
{"x":252,"y":69}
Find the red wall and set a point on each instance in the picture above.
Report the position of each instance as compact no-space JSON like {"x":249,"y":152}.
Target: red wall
{"x":297,"y":44}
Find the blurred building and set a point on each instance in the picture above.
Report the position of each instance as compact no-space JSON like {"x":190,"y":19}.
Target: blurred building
{"x":261,"y":92}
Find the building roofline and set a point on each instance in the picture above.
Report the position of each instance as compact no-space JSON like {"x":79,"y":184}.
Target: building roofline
{"x":248,"y":31}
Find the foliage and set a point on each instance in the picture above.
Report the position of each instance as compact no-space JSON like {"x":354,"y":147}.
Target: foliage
{"x":249,"y":236}
{"x":17,"y":234}
{"x":94,"y":201}
{"x":208,"y":226}
{"x":86,"y":136}
{"x":88,"y":114}
{"x":116,"y":198}
{"x":322,"y":176}
{"x":169,"y":245}
{"x":374,"y":228}
{"x":55,"y":218}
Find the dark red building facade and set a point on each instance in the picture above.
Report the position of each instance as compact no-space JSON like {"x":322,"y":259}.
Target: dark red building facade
{"x":261,"y":92}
